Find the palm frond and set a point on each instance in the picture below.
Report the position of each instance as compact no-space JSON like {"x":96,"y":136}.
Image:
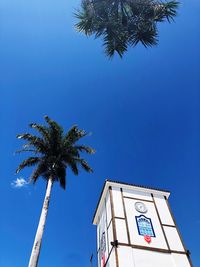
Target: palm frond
{"x":73,"y":166}
{"x":73,"y":135}
{"x":85,"y":18}
{"x":39,"y":171}
{"x":61,"y":174}
{"x":26,"y":150}
{"x":86,"y":149}
{"x":85,"y":165}
{"x":41,"y":129}
{"x":147,"y":36}
{"x":35,"y":141}
{"x":171,"y":10}
{"x":57,"y":130}
{"x":28,"y":163}
{"x":53,"y":124}
{"x":114,"y":42}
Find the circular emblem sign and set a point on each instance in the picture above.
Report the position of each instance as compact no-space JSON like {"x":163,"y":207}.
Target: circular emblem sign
{"x":140,"y":207}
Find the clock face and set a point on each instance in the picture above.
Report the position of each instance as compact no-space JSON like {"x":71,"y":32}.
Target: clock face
{"x":140,"y":207}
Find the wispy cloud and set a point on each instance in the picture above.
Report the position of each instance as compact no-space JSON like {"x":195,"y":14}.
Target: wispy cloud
{"x":19,"y":183}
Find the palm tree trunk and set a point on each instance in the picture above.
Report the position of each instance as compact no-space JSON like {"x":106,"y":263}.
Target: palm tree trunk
{"x":33,"y":262}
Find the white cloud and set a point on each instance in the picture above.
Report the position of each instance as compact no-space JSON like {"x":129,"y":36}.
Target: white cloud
{"x":19,"y":183}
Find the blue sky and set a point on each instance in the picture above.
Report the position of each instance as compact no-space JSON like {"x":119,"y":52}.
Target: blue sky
{"x":143,"y":112}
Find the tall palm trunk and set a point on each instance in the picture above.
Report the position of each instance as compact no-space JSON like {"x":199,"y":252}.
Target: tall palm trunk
{"x":33,"y":262}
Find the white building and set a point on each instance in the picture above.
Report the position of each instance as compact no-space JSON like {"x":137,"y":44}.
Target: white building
{"x":135,"y":228}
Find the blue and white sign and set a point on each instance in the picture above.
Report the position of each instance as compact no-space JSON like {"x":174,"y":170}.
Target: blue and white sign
{"x":144,"y":225}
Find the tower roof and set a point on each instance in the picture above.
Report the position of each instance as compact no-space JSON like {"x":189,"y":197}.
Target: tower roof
{"x":128,"y":186}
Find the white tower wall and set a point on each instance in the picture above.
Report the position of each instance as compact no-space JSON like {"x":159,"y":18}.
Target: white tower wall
{"x":118,"y":220}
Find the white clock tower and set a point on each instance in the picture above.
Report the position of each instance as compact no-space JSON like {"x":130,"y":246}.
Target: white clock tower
{"x":135,"y":228}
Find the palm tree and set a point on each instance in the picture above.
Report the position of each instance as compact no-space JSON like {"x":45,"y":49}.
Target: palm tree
{"x":124,"y":23}
{"x":53,"y":153}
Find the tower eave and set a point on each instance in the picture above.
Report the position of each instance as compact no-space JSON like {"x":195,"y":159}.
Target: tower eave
{"x":127,"y":186}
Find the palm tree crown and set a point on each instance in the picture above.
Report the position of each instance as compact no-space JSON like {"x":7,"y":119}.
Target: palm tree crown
{"x":124,"y":23}
{"x":54,"y":151}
